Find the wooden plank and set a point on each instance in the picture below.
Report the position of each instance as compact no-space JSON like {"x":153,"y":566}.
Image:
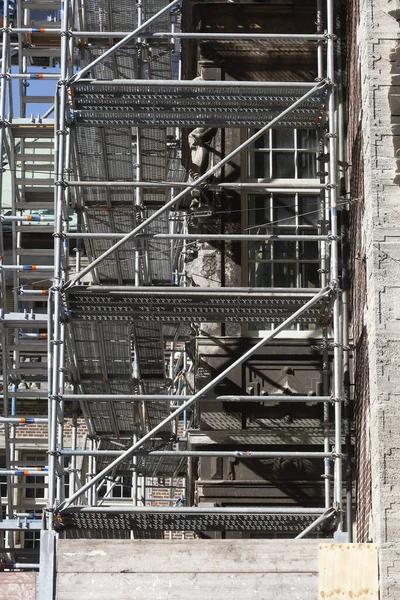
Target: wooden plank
{"x":186,"y":556}
{"x":348,"y":571}
{"x":196,"y":586}
{"x":18,"y":586}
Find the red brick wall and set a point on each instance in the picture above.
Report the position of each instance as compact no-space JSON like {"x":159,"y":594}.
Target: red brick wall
{"x":358,"y":277}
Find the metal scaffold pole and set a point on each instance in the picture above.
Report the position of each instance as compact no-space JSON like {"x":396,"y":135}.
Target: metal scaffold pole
{"x":57,"y":341}
{"x":334,"y":274}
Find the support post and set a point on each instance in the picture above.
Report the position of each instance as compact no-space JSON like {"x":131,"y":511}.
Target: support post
{"x":47,"y":566}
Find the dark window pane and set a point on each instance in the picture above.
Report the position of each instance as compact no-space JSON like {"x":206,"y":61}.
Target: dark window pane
{"x":259,"y":210}
{"x":284,"y":275}
{"x":306,"y":138}
{"x":284,"y":211}
{"x":283,"y":138}
{"x":259,"y":250}
{"x":261,"y":142}
{"x":308,"y":250}
{"x":260,"y":274}
{"x":34,"y":492}
{"x":259,"y":165}
{"x":284,"y":250}
{"x":308,"y":210}
{"x":283,"y":165}
{"x":307,"y":165}
{"x":309,"y":275}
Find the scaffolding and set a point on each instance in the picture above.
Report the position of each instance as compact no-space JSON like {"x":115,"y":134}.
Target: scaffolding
{"x":103,"y":330}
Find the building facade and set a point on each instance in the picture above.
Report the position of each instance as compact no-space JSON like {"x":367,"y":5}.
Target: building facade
{"x":206,"y":344}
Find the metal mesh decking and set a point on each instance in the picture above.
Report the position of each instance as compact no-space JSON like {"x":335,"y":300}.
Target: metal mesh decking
{"x":183,"y":519}
{"x":219,"y":105}
{"x":175,"y":305}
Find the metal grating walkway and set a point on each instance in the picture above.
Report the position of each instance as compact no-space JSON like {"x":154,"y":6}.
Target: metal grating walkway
{"x":184,"y":519}
{"x":176,"y":305}
{"x":186,"y":104}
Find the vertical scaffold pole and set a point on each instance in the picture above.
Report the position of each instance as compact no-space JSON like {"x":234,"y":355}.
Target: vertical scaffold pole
{"x":5,"y":361}
{"x":60,"y":134}
{"x":332,"y":185}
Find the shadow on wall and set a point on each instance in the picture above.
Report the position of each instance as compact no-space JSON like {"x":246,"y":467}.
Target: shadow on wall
{"x":394,"y":99}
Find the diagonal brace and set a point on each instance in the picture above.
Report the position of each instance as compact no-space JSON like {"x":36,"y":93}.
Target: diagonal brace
{"x":128,"y":453}
{"x":319,"y":86}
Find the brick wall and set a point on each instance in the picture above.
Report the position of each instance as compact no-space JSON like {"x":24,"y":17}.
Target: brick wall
{"x":358,"y":278}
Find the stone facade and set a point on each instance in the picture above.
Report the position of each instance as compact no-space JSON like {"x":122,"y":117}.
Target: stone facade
{"x":375,"y":57}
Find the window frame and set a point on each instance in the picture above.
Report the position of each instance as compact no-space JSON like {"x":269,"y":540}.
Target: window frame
{"x":305,"y":187}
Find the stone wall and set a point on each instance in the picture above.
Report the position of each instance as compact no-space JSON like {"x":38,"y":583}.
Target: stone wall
{"x":377,"y":56}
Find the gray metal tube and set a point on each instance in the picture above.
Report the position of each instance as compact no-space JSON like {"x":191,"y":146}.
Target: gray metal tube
{"x":183,"y":193}
{"x":23,"y":420}
{"x":329,"y":513}
{"x":170,"y":398}
{"x":195,"y":83}
{"x":206,"y":453}
{"x":198,"y":291}
{"x":197,"y":396}
{"x":337,"y":357}
{"x":202,"y":36}
{"x":194,"y":510}
{"x":275,"y":184}
{"x":60,"y":134}
{"x":203,"y":237}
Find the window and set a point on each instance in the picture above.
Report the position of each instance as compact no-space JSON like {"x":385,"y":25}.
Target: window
{"x":283,"y":263}
{"x":35,"y":484}
{"x":31,"y":539}
{"x":3,"y":478}
{"x":284,"y":154}
{"x":120,"y":487}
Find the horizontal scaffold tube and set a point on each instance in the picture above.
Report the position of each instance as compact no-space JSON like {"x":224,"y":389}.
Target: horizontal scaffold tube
{"x":29,"y":218}
{"x":20,"y":524}
{"x":305,"y":37}
{"x":24,"y":472}
{"x":204,"y":237}
{"x":26,"y":268}
{"x":201,"y":453}
{"x":188,"y":83}
{"x":296,"y":185}
{"x":170,"y":398}
{"x":24,"y":292}
{"x":6,"y":566}
{"x":175,"y":290}
{"x":195,"y":510}
{"x":23,"y":420}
